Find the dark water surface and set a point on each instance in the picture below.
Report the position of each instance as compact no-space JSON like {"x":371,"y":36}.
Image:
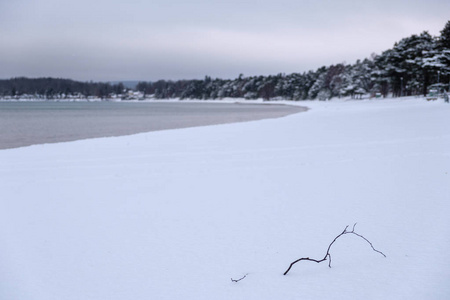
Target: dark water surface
{"x":28,"y":123}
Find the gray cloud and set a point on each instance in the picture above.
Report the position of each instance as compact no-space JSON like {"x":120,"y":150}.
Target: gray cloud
{"x":119,"y":40}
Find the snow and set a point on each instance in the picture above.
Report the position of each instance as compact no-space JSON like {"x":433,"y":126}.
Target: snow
{"x":176,"y":214}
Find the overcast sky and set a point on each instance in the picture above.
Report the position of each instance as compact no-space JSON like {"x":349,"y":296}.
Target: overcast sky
{"x":104,"y":40}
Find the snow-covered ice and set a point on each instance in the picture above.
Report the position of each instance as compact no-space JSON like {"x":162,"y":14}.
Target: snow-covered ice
{"x":175,"y":214}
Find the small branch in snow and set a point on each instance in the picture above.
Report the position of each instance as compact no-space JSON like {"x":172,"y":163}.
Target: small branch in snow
{"x":237,"y":280}
{"x":328,"y":255}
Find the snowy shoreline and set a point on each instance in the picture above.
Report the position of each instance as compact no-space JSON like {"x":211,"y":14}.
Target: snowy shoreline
{"x":31,"y":123}
{"x":175,"y":214}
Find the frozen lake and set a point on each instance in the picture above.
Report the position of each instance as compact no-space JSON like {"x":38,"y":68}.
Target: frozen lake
{"x":28,"y":123}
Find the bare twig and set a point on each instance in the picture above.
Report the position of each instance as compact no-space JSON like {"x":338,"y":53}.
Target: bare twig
{"x":328,"y":255}
{"x":237,"y":280}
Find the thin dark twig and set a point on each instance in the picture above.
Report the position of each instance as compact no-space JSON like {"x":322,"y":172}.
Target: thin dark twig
{"x":328,"y":255}
{"x":237,"y":280}
{"x":373,"y":248}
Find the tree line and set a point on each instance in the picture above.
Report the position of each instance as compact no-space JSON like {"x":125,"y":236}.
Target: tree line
{"x":50,"y":88}
{"x":411,"y":67}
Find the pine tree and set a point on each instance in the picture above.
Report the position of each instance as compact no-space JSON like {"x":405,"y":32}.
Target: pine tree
{"x":444,"y":40}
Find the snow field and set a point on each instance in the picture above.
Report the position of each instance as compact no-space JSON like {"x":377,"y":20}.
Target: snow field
{"x":176,"y":214}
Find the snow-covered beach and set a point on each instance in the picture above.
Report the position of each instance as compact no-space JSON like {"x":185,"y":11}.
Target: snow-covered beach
{"x":175,"y":214}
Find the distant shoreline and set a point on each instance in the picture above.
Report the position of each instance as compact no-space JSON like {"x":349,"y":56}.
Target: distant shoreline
{"x":27,"y":123}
